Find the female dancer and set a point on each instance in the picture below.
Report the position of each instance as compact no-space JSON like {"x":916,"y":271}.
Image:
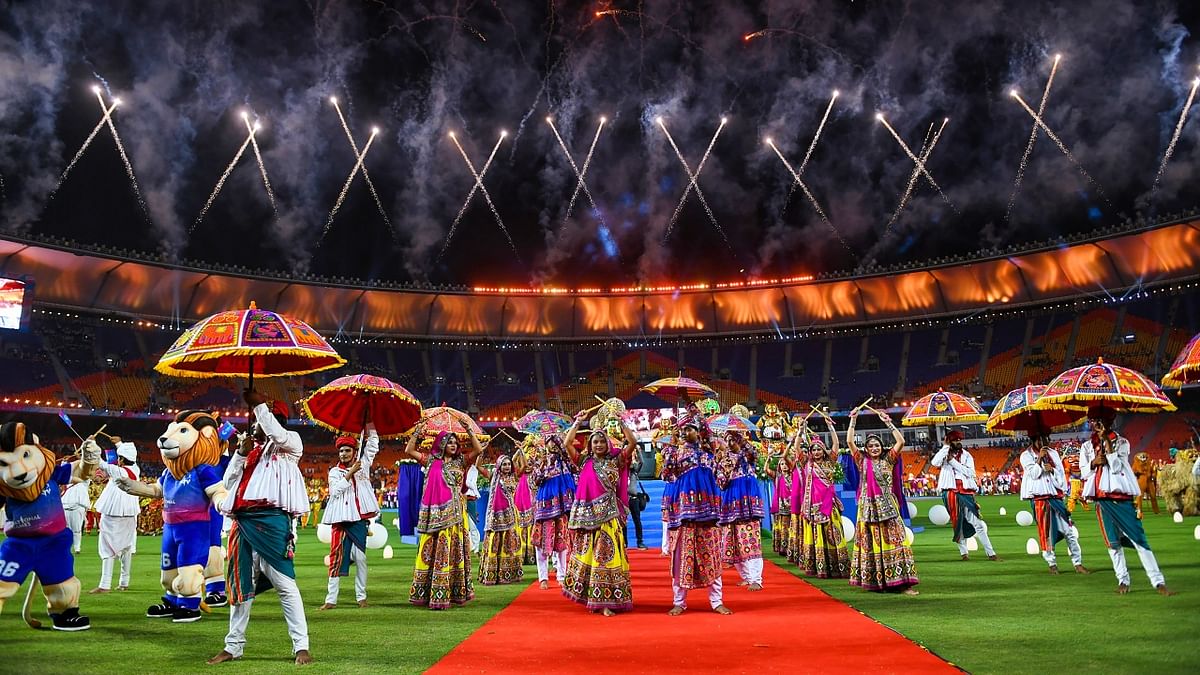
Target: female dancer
{"x":555,"y":486}
{"x":523,"y":500}
{"x":500,"y":555}
{"x":598,"y":571}
{"x":822,"y":550}
{"x":881,"y":560}
{"x":741,"y":508}
{"x":784,"y":474}
{"x":442,"y":575}
{"x":692,"y":509}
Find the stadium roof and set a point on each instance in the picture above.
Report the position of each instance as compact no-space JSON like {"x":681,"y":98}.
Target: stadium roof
{"x":84,"y":280}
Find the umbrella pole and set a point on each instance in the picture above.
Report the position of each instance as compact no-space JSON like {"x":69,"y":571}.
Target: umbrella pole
{"x":250,"y":386}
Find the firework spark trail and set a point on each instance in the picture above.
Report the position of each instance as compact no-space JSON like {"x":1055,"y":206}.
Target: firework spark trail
{"x":1012,"y":198}
{"x":930,"y":143}
{"x":796,"y":181}
{"x":580,"y":185}
{"x":346,"y":186}
{"x":124,"y":158}
{"x":262,"y":168}
{"x":221,"y":181}
{"x":486,"y":197}
{"x":916,"y":160}
{"x":86,"y":142}
{"x":1061,"y":146}
{"x":370,"y":184}
{"x":692,"y":184}
{"x":1175,"y":137}
{"x":811,"y":146}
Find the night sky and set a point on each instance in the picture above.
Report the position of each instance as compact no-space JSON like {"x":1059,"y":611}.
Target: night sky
{"x":185,"y":72}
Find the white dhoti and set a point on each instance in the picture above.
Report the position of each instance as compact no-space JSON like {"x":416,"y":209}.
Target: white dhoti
{"x":118,"y":534}
{"x":75,"y":520}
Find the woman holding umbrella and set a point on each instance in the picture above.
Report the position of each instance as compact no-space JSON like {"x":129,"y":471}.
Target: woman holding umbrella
{"x":881,"y":560}
{"x":442,"y":576}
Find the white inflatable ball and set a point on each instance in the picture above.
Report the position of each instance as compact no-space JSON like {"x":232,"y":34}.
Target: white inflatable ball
{"x":972,"y":545}
{"x":377,"y":536}
{"x":938,"y":515}
{"x":908,"y":537}
{"x":396,"y":522}
{"x":1197,"y":532}
{"x":1024,"y":518}
{"x":912,"y":510}
{"x":326,"y":560}
{"x":1032,"y":547}
{"x":388,"y":553}
{"x":324,"y":533}
{"x":1003,"y":511}
{"x":1178,"y":517}
{"x":847,"y":529}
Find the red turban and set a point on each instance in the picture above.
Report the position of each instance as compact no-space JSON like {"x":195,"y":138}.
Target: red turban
{"x":345,"y":440}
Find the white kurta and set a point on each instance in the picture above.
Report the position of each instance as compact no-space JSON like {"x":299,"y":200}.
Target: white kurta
{"x":961,"y":469}
{"x":1116,"y":477}
{"x":351,"y":498}
{"x":112,"y":501}
{"x":1037,"y":481}
{"x":277,"y":478}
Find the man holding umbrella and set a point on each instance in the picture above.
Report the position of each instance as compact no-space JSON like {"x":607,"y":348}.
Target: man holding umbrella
{"x":266,"y":490}
{"x":1109,"y":480}
{"x":351,"y":507}
{"x":958,"y":485}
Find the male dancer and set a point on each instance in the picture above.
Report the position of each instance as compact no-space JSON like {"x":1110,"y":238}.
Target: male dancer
{"x":76,"y":502}
{"x":352,"y":505}
{"x":118,"y":518}
{"x":266,"y":491}
{"x":958,"y":485}
{"x":1109,"y":480}
{"x":1043,"y":484}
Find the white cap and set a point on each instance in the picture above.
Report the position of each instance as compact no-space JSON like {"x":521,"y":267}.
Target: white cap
{"x":127,"y":451}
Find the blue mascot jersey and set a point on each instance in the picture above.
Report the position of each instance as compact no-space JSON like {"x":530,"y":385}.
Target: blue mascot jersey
{"x":43,"y":516}
{"x":184,"y":501}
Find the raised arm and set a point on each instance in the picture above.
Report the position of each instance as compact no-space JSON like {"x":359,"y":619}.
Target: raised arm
{"x":411,"y":448}
{"x":630,"y":441}
{"x":850,"y":442}
{"x":835,"y":446}
{"x":568,"y":439}
{"x":897,"y":437}
{"x":476,"y":448}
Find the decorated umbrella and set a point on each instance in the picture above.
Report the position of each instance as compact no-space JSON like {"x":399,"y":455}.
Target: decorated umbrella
{"x":1186,"y":369}
{"x":731,"y":422}
{"x":677,"y":387}
{"x":543,"y":423}
{"x":943,"y":407}
{"x":445,"y":418}
{"x":248,"y":342}
{"x":343,"y":405}
{"x":1015,"y":412}
{"x":1104,"y":385}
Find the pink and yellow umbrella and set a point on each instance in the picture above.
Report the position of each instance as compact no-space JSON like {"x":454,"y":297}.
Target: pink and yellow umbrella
{"x":672,"y":388}
{"x":1015,"y":412}
{"x":1186,"y":369}
{"x":248,"y":342}
{"x":452,"y":420}
{"x":942,"y":407}
{"x":1104,"y":385}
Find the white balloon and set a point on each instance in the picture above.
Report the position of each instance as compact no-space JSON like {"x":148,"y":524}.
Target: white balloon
{"x":972,"y":545}
{"x":938,"y":515}
{"x":395,"y":522}
{"x":1003,"y":511}
{"x":376,"y":536}
{"x":1178,"y":517}
{"x":912,"y":510}
{"x":1032,"y":547}
{"x":847,"y":529}
{"x":908,"y":537}
{"x":1024,"y":518}
{"x":388,"y":553}
{"x":326,"y":559}
{"x":1197,"y":532}
{"x":324,"y":533}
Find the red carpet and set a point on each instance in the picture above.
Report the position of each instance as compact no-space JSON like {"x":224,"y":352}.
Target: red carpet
{"x":789,"y":626}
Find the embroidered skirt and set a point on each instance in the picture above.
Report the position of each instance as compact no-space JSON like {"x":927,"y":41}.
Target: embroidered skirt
{"x":500,"y":557}
{"x":598,"y":570}
{"x":743,"y":541}
{"x":442,"y":575}
{"x":823,"y":552}
{"x":881,"y":561}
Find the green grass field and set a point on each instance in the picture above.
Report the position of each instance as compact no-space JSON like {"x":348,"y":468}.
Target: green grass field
{"x":1012,"y":616}
{"x":1005,"y":617}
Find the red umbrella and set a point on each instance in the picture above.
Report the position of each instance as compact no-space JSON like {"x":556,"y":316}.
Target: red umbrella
{"x":342,"y":405}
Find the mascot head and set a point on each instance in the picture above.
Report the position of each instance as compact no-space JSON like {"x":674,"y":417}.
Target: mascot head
{"x":189,"y":441}
{"x":25,"y":466}
{"x":770,"y":410}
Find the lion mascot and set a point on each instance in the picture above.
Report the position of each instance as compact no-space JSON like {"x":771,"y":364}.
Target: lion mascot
{"x":1143,"y":468}
{"x":191,"y":449}
{"x":37,"y":538}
